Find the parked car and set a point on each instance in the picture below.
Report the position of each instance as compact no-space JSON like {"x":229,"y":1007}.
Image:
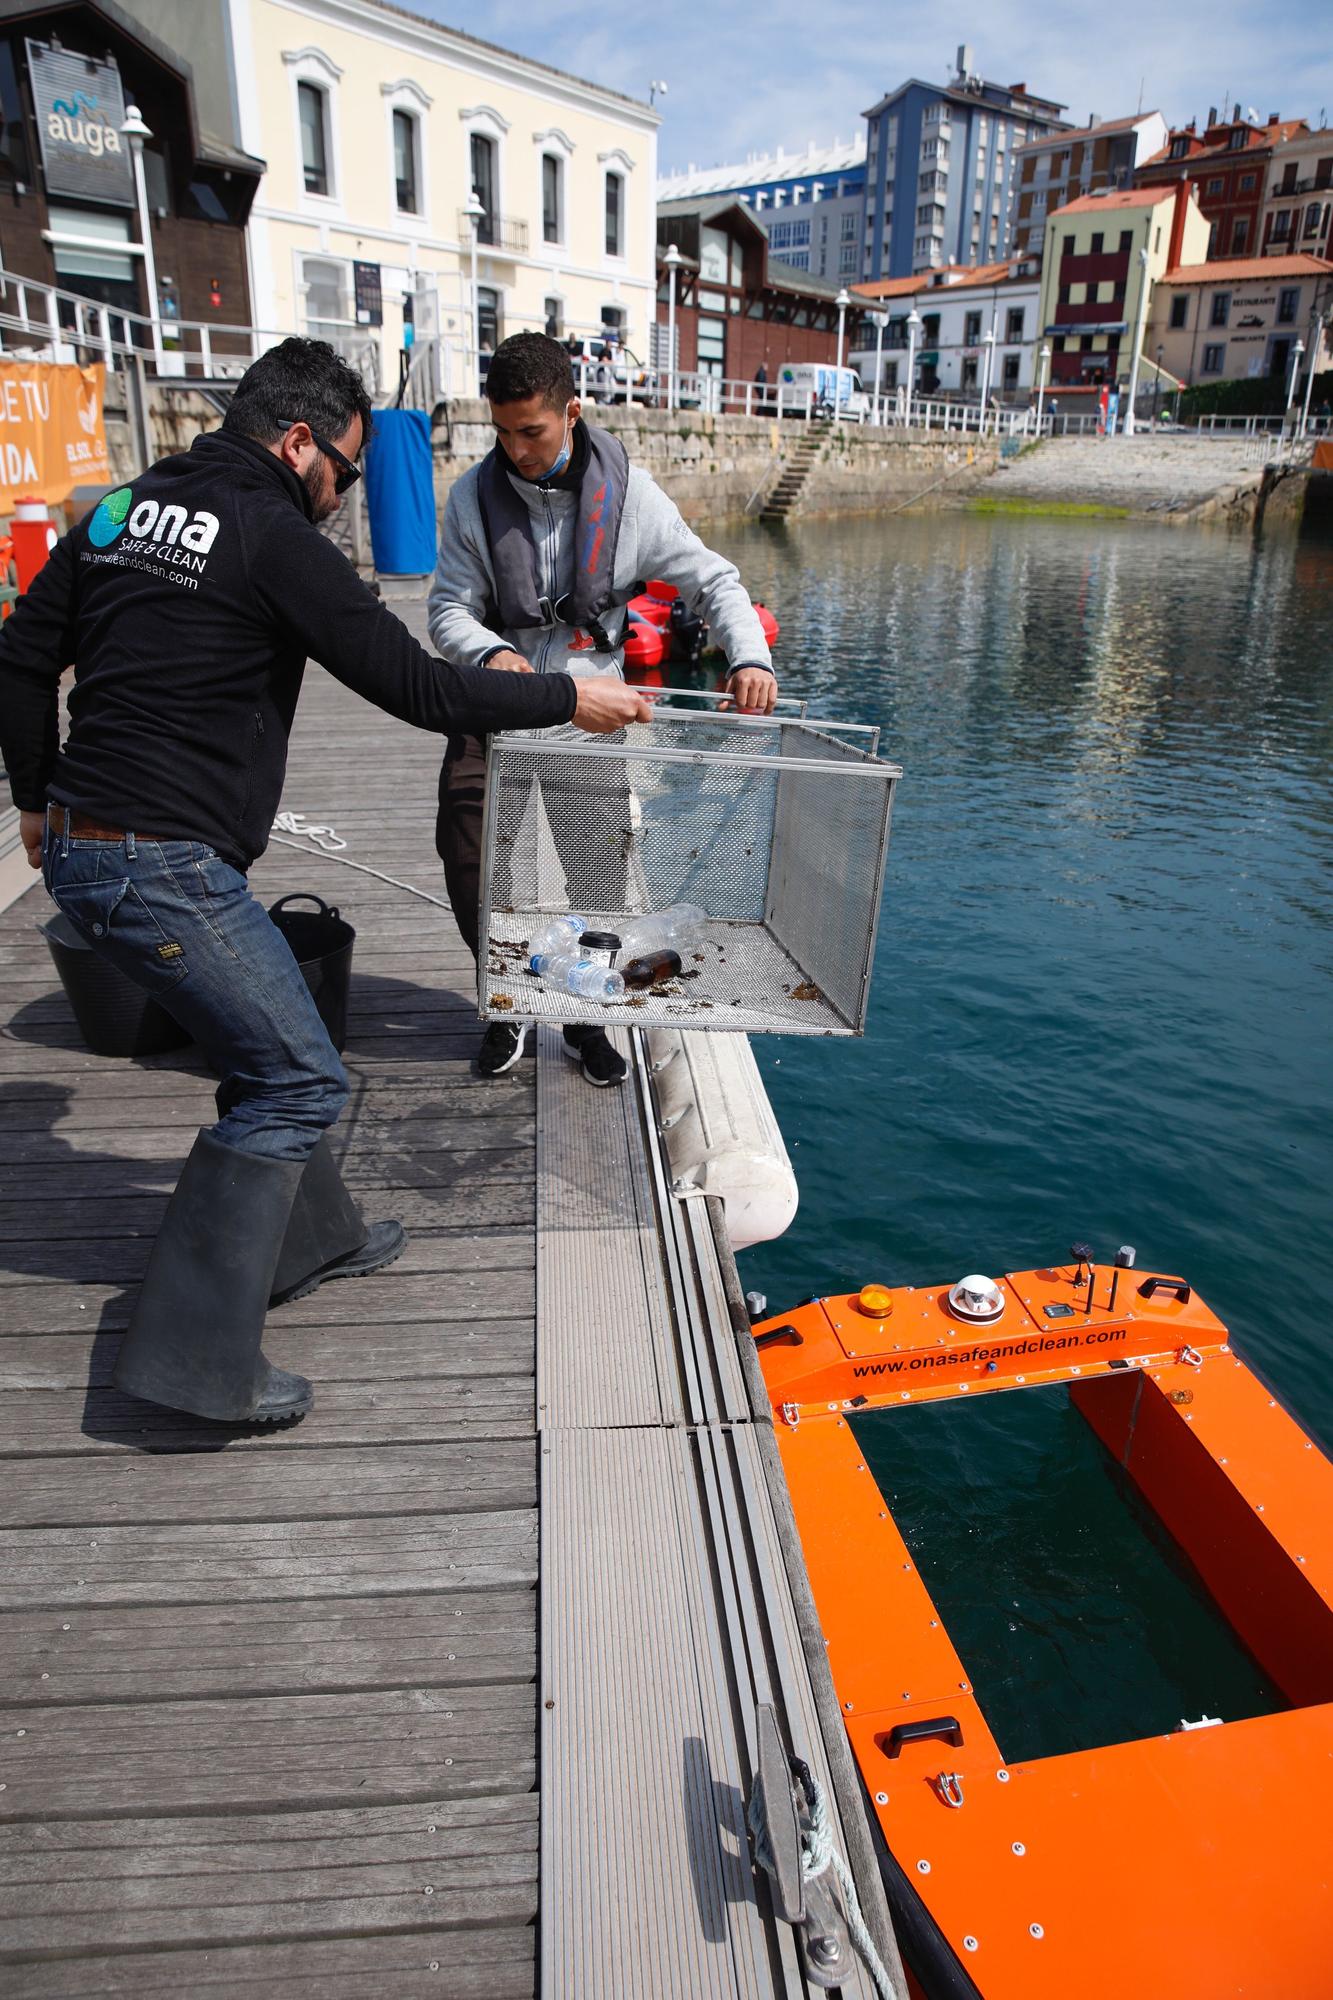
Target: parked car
{"x":615,"y":373}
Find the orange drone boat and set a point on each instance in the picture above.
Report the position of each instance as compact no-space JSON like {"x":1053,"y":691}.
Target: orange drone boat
{"x":1196,"y":1864}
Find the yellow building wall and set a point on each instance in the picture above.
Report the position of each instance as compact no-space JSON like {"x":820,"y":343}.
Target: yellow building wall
{"x":1148,"y":227}
{"x":368,"y":61}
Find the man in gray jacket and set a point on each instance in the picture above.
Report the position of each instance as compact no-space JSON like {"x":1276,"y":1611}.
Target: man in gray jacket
{"x":544,"y":544}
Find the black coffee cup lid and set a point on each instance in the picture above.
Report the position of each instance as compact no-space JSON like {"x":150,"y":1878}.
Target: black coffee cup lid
{"x":599,"y":941}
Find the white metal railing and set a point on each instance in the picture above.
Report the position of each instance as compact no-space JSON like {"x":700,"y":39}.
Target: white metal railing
{"x":48,"y":322}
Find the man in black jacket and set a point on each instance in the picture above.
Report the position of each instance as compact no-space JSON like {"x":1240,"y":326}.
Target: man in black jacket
{"x":188,"y":603}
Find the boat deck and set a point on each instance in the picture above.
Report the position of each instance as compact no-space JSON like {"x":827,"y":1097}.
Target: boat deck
{"x":276,"y":1706}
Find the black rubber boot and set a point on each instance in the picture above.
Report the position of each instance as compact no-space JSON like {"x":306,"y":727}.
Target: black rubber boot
{"x":326,"y":1237}
{"x":193,"y":1341}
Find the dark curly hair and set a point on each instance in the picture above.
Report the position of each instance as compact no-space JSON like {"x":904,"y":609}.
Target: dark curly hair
{"x":299,"y":381}
{"x":530,"y":364}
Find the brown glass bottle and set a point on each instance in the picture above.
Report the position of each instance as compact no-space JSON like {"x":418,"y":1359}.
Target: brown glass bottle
{"x":652,"y":966}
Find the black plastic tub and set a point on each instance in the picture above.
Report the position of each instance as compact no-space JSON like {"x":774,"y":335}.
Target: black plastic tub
{"x":117,"y":1018}
{"x":321,"y":943}
{"x":114,"y":1016}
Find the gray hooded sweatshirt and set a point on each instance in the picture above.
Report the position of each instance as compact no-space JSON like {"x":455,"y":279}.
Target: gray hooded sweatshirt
{"x":654,"y":542}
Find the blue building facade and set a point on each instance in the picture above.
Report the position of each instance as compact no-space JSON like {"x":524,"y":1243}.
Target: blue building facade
{"x":812,"y":204}
{"x":941,"y":181}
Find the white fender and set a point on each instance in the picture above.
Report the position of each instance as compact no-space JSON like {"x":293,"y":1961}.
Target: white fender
{"x":720,"y":1133}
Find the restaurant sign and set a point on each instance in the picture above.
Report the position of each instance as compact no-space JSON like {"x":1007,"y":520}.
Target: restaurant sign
{"x":80,"y":107}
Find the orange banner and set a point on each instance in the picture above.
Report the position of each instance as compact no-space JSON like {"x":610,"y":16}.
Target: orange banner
{"x":52,"y":437}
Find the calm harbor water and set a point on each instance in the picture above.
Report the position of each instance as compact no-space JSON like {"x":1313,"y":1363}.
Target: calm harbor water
{"x":1100,"y":1011}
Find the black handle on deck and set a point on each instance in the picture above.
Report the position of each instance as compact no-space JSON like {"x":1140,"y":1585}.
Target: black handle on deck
{"x":1176,"y":1286}
{"x":947,"y":1726}
{"x":780,"y":1336}
{"x":322,"y":908}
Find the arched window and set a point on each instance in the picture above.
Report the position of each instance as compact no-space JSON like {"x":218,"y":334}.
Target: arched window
{"x":484,"y":185}
{"x":407,"y":162}
{"x":313,"y":109}
{"x":615,"y":215}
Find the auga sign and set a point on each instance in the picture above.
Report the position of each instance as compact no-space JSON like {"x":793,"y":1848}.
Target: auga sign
{"x":82,"y":123}
{"x":80,"y":107}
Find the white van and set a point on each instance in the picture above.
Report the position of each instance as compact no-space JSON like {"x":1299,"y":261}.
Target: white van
{"x":798,"y":381}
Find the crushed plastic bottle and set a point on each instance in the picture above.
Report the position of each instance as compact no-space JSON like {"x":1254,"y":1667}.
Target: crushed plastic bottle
{"x":582,"y":977}
{"x":561,"y":934}
{"x":660,"y":930}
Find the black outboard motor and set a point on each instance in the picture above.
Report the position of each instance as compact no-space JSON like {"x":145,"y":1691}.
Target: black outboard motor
{"x":688,"y":633}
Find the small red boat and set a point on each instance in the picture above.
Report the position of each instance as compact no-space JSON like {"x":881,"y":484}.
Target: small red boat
{"x":663,"y":630}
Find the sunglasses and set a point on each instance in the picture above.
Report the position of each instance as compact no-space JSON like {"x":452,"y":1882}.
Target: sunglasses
{"x":348,"y":473}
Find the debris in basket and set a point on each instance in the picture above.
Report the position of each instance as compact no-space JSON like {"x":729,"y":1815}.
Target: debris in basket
{"x":689,"y":975}
{"x":501,"y":1001}
{"x":807,"y":990}
{"x":698,"y":959}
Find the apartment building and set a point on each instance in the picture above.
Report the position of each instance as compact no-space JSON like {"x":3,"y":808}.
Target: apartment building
{"x":1227,"y":165}
{"x":1298,"y":200}
{"x":1100,"y":252}
{"x":1059,"y":168}
{"x":940,"y":172}
{"x":979,"y":330}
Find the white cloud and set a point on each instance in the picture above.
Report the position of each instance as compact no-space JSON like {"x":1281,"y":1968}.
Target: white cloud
{"x":751,"y":77}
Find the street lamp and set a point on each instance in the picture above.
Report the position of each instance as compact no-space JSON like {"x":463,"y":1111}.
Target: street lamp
{"x":1139,"y":319}
{"x":1157,"y":385}
{"x":136,"y":132}
{"x":842,"y":302}
{"x":880,"y":319}
{"x":987,"y":363}
{"x":1296,"y":353}
{"x":474,"y":209}
{"x":914,"y":326}
{"x":1318,"y":321}
{"x":1043,"y":373}
{"x":673,"y":261}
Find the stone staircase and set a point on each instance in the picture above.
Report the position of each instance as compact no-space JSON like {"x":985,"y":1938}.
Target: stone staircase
{"x":785,"y":497}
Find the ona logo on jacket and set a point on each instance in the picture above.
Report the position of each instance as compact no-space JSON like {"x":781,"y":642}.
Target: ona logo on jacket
{"x":165,"y":526}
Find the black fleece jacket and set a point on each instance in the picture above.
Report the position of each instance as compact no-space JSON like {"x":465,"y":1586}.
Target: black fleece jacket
{"x":187,"y":604}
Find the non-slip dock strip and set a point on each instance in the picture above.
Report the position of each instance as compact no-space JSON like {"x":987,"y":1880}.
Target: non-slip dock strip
{"x":666,"y":1614}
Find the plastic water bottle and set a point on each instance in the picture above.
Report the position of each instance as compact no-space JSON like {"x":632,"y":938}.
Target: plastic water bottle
{"x":561,"y":934}
{"x":580,"y":976}
{"x":660,"y":930}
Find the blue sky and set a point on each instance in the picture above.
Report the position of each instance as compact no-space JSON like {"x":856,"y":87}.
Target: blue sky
{"x":748,"y":77}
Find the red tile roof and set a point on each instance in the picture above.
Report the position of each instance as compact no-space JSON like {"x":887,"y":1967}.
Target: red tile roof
{"x":1236,"y":270}
{"x":892,"y":288}
{"x":1147,"y":197}
{"x":1072,"y":134}
{"x":1258,"y":135}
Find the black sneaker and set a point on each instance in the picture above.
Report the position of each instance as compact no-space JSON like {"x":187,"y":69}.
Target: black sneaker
{"x":592,"y":1051}
{"x":501,"y":1046}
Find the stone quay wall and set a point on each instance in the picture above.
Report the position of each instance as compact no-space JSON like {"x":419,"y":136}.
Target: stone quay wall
{"x":714,"y":467}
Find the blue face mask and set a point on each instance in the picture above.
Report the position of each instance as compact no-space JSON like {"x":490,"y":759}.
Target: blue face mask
{"x":565,"y":454}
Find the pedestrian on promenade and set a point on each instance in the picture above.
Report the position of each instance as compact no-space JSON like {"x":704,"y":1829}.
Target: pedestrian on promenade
{"x":507,"y":594}
{"x":187,"y":604}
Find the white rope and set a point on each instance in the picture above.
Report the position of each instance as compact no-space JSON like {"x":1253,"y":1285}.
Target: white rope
{"x":326,"y":838}
{"x":818,"y":1854}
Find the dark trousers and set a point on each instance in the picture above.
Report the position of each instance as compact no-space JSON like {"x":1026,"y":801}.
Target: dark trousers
{"x":589,"y":821}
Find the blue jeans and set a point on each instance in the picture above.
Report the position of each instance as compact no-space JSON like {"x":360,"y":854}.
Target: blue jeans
{"x":184,"y":926}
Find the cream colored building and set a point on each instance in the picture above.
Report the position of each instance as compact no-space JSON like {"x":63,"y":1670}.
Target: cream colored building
{"x":1104,"y":253}
{"x":376,"y":126}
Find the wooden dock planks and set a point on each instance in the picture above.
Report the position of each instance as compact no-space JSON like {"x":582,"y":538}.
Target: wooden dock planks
{"x":268,"y":1700}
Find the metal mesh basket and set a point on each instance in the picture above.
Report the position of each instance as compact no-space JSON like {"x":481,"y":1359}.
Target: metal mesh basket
{"x":777,"y":829}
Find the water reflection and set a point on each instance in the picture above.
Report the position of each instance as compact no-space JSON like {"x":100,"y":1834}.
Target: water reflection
{"x":1101,"y":998}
